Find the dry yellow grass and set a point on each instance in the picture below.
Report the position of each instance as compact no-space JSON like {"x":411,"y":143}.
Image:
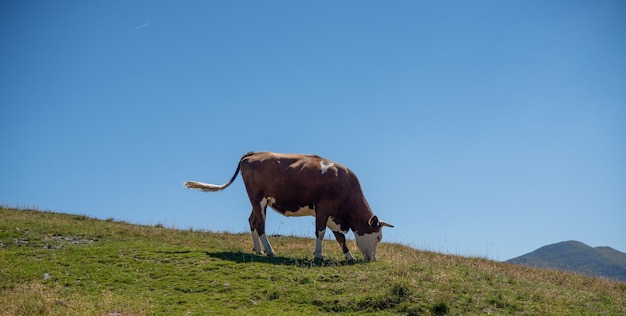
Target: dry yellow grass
{"x":37,"y":298}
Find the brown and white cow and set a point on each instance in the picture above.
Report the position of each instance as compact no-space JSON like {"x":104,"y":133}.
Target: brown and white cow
{"x":299,"y":185}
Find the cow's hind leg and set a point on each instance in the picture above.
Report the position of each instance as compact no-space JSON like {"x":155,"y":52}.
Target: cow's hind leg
{"x":257,"y":226}
{"x":256,"y":240}
{"x":320,"y":231}
{"x":341,"y":239}
{"x":318,"y":243}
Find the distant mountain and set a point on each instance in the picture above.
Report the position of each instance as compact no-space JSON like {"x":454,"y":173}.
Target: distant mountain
{"x":575,"y":256}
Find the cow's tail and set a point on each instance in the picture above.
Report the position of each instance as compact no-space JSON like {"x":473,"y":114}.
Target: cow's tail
{"x":207,"y":187}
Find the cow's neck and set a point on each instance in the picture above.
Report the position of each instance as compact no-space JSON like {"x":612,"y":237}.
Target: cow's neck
{"x":360,"y":218}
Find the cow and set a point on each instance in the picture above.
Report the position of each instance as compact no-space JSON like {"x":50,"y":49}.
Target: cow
{"x":301,"y":185}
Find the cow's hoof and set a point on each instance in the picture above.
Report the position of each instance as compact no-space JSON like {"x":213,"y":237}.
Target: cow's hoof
{"x":349,"y":257}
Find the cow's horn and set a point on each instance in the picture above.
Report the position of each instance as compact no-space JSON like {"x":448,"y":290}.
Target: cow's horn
{"x":373,"y":221}
{"x":381,"y":223}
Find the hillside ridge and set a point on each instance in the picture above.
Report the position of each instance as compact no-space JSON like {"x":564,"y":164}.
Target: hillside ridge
{"x":575,"y":256}
{"x":64,"y":264}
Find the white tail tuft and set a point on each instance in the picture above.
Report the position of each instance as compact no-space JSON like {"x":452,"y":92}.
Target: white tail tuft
{"x":214,"y":187}
{"x":204,"y":186}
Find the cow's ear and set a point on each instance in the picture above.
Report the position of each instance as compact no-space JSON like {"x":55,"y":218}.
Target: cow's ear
{"x":373,"y":222}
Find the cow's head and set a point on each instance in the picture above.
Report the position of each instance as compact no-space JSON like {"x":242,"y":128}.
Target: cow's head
{"x":368,"y":239}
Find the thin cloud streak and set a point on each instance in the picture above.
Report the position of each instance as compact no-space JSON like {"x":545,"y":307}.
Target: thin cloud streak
{"x":140,"y":27}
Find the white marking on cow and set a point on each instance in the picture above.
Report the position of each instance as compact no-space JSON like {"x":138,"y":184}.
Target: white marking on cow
{"x":268,"y":248}
{"x":334,"y":226}
{"x":267,"y":201}
{"x":257,"y":242}
{"x":303,"y":211}
{"x":318,"y":244}
{"x":324,"y":165}
{"x":368,"y":243}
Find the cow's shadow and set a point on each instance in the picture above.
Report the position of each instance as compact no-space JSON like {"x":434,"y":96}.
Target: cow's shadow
{"x":242,"y":257}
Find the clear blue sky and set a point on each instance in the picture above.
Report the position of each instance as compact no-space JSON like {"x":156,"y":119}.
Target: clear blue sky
{"x":479,"y":128}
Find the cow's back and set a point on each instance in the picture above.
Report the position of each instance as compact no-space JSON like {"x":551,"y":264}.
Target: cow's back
{"x":294,"y":181}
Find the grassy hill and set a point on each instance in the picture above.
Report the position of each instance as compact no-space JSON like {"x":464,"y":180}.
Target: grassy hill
{"x":575,"y":256}
{"x":60,"y":264}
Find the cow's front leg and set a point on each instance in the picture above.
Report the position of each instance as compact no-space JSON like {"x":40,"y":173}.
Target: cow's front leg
{"x":341,"y":239}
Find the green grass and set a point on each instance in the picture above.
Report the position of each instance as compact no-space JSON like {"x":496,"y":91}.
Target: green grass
{"x":60,"y":264}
